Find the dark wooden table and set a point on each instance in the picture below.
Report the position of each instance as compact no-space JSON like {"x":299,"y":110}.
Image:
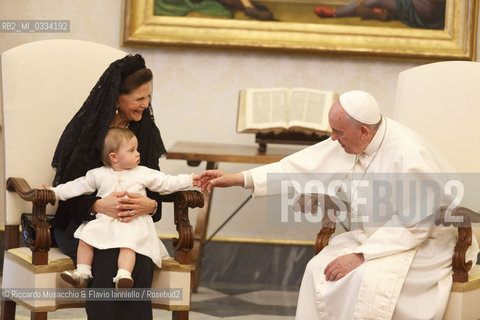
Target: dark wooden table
{"x":213,"y":153}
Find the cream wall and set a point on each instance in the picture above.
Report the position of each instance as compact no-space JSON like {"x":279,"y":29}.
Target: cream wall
{"x":203,"y":86}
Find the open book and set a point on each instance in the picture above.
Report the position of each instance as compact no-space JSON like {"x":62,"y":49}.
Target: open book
{"x":280,"y":109}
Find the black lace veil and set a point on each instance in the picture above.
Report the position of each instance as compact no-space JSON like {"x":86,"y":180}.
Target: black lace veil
{"x":80,"y":145}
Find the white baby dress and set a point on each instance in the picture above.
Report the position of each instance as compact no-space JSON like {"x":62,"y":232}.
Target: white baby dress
{"x":106,"y":232}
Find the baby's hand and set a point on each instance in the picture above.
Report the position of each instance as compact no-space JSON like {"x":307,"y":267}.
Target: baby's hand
{"x":195,"y":180}
{"x":45,"y":187}
{"x":201,"y":181}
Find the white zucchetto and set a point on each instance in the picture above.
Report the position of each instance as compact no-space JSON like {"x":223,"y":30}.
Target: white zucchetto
{"x":361,"y":106}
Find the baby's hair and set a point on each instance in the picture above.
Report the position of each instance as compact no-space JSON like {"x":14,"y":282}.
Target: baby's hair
{"x":113,"y":140}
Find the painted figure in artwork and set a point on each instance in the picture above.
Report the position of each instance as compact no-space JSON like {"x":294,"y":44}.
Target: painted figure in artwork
{"x":426,"y":14}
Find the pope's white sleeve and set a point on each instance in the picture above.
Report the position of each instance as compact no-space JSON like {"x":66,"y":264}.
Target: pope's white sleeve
{"x":325,"y":161}
{"x":394,"y":238}
{"x":267,"y":179}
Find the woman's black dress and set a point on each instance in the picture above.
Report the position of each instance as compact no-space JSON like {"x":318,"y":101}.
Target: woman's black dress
{"x":77,"y":152}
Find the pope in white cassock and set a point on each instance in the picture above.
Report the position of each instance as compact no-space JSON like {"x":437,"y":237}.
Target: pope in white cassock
{"x":396,"y":267}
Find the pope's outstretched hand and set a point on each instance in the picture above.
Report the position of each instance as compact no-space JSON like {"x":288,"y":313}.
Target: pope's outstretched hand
{"x":216,"y":178}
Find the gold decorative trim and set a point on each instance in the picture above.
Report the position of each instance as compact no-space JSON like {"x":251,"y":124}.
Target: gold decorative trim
{"x":60,"y":265}
{"x":163,"y":306}
{"x":59,"y":305}
{"x":69,"y":304}
{"x":456,"y":42}
{"x":34,"y":309}
{"x":173,"y":265}
{"x":170,"y":307}
{"x":253,"y":240}
{"x":25,"y":260}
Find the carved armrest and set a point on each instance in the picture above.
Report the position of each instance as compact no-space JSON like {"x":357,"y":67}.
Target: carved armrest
{"x":39,"y":198}
{"x":329,"y":206}
{"x":461,"y":218}
{"x":182,"y":200}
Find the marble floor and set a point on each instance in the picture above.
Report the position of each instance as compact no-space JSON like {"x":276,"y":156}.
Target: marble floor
{"x":217,"y":301}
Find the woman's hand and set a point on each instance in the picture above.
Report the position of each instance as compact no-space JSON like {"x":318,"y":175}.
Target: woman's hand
{"x":109,"y":205}
{"x":135,"y":203}
{"x":121,"y":205}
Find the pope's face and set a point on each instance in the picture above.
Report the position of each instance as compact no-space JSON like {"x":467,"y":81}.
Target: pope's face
{"x":131,"y":105}
{"x":345,"y":131}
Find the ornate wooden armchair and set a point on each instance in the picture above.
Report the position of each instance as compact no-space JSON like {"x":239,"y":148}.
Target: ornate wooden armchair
{"x":440,"y":101}
{"x":43,"y":85}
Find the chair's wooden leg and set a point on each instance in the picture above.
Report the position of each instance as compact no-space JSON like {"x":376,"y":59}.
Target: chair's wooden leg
{"x":12,"y":233}
{"x":11,"y":240}
{"x":180,"y":315}
{"x":38,"y":316}
{"x":201,"y":227}
{"x":8,"y":310}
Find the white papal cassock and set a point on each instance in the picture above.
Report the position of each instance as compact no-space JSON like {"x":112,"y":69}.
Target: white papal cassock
{"x":407,"y":269}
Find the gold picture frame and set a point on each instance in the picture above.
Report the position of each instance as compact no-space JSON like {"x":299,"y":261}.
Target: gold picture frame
{"x":457,"y":41}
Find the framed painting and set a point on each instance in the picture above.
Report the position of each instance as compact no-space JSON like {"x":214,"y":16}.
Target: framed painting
{"x":307,"y":26}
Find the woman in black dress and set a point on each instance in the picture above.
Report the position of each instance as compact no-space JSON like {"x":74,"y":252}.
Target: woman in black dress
{"x":121,"y":98}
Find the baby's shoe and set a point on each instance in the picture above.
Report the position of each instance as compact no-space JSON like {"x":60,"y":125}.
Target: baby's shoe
{"x":123,"y":282}
{"x":123,"y":279}
{"x":75,"y":278}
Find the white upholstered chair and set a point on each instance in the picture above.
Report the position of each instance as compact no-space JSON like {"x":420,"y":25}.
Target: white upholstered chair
{"x":441,"y":102}
{"x":44,"y":83}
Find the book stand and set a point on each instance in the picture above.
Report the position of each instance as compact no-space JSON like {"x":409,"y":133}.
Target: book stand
{"x":213,"y":154}
{"x":287,"y":137}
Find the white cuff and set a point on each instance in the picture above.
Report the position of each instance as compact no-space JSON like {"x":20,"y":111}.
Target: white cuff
{"x":247,"y":180}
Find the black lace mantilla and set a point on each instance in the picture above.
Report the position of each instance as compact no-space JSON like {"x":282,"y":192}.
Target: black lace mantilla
{"x":80,"y":145}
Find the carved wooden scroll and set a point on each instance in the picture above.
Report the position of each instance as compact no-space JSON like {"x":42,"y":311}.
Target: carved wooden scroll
{"x":330,"y":206}
{"x":182,"y":201}
{"x":461,"y":218}
{"x":39,"y":198}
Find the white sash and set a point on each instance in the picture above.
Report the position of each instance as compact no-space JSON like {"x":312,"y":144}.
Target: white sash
{"x":381,"y":286}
